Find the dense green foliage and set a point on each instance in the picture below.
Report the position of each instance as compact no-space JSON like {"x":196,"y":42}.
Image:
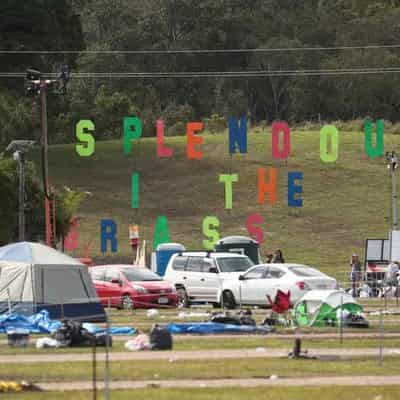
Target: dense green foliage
{"x":198,"y":24}
{"x":67,"y":201}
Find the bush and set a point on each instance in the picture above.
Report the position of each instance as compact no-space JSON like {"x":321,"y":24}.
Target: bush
{"x":215,"y":124}
{"x":176,"y":117}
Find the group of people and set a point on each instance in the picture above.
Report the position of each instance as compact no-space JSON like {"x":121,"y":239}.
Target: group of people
{"x":391,"y":276}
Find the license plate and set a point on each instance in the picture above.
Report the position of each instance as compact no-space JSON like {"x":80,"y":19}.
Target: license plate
{"x":163,"y":300}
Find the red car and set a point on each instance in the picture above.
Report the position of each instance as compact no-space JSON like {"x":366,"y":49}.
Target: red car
{"x":127,"y":287}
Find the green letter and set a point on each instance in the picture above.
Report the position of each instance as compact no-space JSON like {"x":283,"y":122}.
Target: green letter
{"x":132,"y":130}
{"x":377,"y":151}
{"x":88,"y":149}
{"x":210,"y":230}
{"x":161,"y":234}
{"x":228,"y":180}
{"x":135,"y":190}
{"x":329,"y":131}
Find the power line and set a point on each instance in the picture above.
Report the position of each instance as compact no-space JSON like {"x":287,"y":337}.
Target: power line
{"x":205,"y":51}
{"x":228,"y":74}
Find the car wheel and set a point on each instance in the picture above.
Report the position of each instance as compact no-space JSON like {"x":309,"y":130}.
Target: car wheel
{"x":228,"y":299}
{"x":183,"y":299}
{"x":126,"y":302}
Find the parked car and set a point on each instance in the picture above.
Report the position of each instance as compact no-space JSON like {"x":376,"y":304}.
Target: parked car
{"x":260,"y":281}
{"x":126,"y":286}
{"x":197,"y":276}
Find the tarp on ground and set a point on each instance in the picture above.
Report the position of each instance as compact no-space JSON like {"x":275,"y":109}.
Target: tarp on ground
{"x":35,"y":277}
{"x":212,"y":328}
{"x":41,"y":323}
{"x":322,"y":307}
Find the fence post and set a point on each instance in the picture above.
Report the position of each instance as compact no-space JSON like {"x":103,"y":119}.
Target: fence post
{"x":94,"y":367}
{"x":9,"y":300}
{"x":381,"y":338}
{"x":62,"y":308}
{"x":107,"y":366}
{"x":240,"y":295}
{"x":341,"y":320}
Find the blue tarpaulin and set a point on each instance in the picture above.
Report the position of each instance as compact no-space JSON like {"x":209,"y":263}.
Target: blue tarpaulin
{"x":37,"y":323}
{"x":41,"y":323}
{"x":207,"y":328}
{"x":118,"y":330}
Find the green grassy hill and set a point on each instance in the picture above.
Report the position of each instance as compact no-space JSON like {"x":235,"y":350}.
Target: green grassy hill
{"x":344,"y":202}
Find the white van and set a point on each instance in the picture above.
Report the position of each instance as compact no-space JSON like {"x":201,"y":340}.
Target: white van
{"x":198,"y":275}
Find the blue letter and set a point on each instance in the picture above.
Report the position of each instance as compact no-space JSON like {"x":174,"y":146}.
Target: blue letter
{"x":237,"y":135}
{"x":108,"y":232}
{"x":294,"y":189}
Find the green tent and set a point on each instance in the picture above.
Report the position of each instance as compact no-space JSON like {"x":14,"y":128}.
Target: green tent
{"x":322,"y":307}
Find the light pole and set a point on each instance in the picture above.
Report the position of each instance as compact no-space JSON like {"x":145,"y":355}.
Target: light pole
{"x":20,"y":147}
{"x":393,"y":163}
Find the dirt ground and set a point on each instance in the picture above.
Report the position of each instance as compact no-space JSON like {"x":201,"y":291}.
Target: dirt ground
{"x":190,"y":355}
{"x":216,"y":383}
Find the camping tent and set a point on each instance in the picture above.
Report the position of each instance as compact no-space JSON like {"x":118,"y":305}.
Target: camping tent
{"x":35,"y":277}
{"x":320,"y":307}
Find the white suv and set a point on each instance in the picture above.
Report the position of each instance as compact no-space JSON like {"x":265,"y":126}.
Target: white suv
{"x":198,"y":276}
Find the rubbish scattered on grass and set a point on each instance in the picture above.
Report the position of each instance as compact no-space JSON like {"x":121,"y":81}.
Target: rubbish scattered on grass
{"x":185,"y":314}
{"x":139,"y":343}
{"x":152,"y":313}
{"x":47,"y":342}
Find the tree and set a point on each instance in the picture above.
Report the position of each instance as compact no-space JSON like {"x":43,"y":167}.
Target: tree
{"x":67,"y":204}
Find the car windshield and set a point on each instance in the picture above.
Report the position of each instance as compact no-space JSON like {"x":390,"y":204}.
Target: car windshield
{"x":306,"y":272}
{"x":140,"y":275}
{"x":234,"y":264}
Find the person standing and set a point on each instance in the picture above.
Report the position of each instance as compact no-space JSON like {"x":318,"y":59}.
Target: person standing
{"x":391,"y":274}
{"x":278,"y":257}
{"x":270,"y":256}
{"x":355,"y":274}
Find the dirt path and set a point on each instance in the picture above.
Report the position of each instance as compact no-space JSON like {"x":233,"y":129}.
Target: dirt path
{"x":191,"y":355}
{"x":348,"y":335}
{"x":217,"y":383}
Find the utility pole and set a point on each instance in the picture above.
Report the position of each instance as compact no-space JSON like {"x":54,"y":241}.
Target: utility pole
{"x":36,"y":85}
{"x":45,"y":142}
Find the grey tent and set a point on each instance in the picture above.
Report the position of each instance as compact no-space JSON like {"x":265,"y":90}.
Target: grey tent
{"x":34,"y":277}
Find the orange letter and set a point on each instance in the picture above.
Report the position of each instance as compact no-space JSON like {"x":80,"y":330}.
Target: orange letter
{"x":162,"y":151}
{"x":269,"y":187}
{"x":192,"y":140}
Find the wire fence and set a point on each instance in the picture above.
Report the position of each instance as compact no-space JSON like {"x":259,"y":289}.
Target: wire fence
{"x":377,"y":343}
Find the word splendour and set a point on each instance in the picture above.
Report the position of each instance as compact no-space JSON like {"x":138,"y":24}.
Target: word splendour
{"x":267,"y":178}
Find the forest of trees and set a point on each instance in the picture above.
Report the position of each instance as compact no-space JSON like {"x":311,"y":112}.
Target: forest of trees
{"x":170,"y":25}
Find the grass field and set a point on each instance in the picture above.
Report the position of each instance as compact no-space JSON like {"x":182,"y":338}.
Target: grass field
{"x":201,"y":369}
{"x":271,"y":393}
{"x":221,"y":343}
{"x":344,"y":202}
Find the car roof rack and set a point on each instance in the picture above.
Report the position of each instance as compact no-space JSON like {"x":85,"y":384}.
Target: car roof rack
{"x":208,"y":252}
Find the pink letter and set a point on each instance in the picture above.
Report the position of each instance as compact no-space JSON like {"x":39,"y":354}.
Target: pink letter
{"x":161,"y":150}
{"x":255,"y":231}
{"x":277,"y":128}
